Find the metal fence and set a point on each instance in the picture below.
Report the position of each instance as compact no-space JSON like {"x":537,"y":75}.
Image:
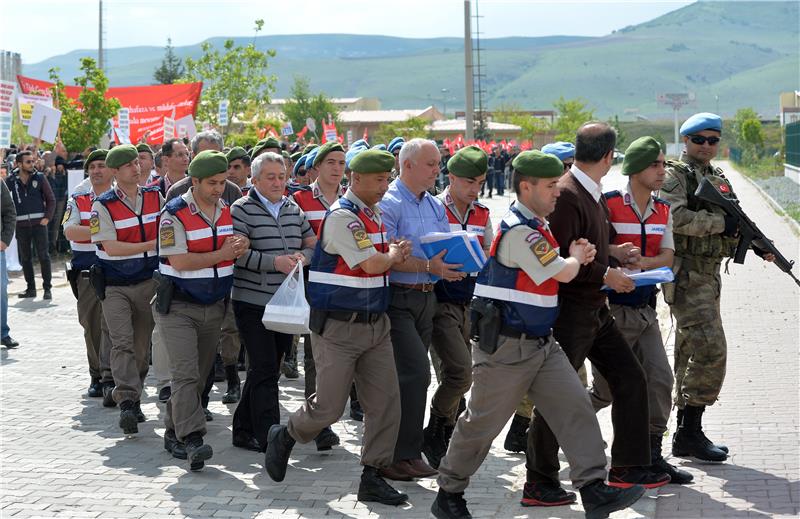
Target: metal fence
{"x":793,"y":144}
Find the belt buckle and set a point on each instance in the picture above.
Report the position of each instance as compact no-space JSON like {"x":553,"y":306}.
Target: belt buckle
{"x":427,"y":287}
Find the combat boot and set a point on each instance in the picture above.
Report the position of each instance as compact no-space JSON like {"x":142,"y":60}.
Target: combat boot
{"x":95,"y":388}
{"x":289,"y":368}
{"x":234,"y":391}
{"x":374,"y":488}
{"x":659,"y":464}
{"x":450,"y":505}
{"x":140,"y":417}
{"x":279,"y":448}
{"x":723,"y":448}
{"x":197,"y":452}
{"x":690,"y":441}
{"x":356,"y":412}
{"x":517,"y":437}
{"x":326,"y":439}
{"x":127,"y":417}
{"x":108,"y":395}
{"x":434,"y":443}
{"x":173,"y":445}
{"x":219,"y":369}
{"x":599,"y":499}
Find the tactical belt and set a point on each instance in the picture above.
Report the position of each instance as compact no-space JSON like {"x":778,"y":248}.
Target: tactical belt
{"x":422,"y":287}
{"x":354,"y":317}
{"x":508,"y":331}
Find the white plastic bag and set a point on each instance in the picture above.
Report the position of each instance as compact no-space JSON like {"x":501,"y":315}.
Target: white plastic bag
{"x":288,"y":311}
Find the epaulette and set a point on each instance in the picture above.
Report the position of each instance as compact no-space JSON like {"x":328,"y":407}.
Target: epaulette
{"x":150,"y":188}
{"x":175,"y":205}
{"x":681,"y":166}
{"x":476,"y":203}
{"x":661,"y":200}
{"x":612,"y":194}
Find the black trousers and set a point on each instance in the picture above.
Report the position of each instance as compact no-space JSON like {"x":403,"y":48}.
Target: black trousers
{"x":35,"y":236}
{"x":411,"y":313}
{"x":584,"y":332}
{"x":258,"y":409}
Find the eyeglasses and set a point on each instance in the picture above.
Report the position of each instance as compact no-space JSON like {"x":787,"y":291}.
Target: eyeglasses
{"x":701,"y":139}
{"x":568,"y":165}
{"x":301,"y":173}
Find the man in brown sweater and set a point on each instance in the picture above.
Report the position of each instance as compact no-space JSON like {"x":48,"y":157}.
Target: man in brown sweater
{"x":586,"y":329}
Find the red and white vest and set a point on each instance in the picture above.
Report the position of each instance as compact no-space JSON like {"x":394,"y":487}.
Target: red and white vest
{"x":84,"y":253}
{"x":310,"y":201}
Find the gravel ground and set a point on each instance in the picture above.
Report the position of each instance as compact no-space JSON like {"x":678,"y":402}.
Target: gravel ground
{"x":784,"y":191}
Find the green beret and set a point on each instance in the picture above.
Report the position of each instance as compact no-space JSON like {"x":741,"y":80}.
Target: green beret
{"x":640,"y":154}
{"x":285,"y":154}
{"x":296,"y":155}
{"x":142,"y":147}
{"x":309,"y":147}
{"x":207,"y":164}
{"x":269,"y":142}
{"x":121,"y":155}
{"x":325,"y":149}
{"x":372,"y":161}
{"x":237,"y":152}
{"x":534,"y":163}
{"x":468,"y":162}
{"x":98,"y":154}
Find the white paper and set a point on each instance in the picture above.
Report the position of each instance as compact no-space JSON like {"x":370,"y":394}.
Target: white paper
{"x":188,"y":122}
{"x":44,"y":123}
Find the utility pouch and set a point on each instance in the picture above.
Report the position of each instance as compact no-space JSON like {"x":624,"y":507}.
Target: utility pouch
{"x":486,"y":323}
{"x":98,"y":281}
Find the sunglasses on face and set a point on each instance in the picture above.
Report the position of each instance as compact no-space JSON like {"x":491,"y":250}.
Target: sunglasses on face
{"x":700,"y":140}
{"x":568,"y":165}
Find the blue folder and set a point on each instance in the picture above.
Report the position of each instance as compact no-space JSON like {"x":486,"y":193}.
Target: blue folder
{"x":462,"y":248}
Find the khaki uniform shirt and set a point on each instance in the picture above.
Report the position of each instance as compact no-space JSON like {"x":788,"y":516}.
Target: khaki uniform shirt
{"x":172,"y":234}
{"x":516,"y":250}
{"x":105,"y":230}
{"x":340,"y":229}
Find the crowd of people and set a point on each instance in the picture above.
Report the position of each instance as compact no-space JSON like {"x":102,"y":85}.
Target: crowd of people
{"x":177,"y":252}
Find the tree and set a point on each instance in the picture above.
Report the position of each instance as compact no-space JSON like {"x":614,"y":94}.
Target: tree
{"x":748,"y":134}
{"x":171,"y":68}
{"x":304,"y":104}
{"x":513,"y":114}
{"x":238,"y":74}
{"x":85,"y":121}
{"x":409,"y":129}
{"x":572,"y":113}
{"x":622,"y":136}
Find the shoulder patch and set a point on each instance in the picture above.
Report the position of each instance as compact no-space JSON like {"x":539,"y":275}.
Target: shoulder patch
{"x":94,"y":223}
{"x":67,"y":214}
{"x":543,"y":251}
{"x":166,"y":233}
{"x":361,"y":238}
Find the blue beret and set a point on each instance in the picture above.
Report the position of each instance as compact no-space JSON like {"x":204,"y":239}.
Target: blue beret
{"x":310,"y":158}
{"x":700,"y":122}
{"x":352,"y":152}
{"x":300,"y":164}
{"x":379,"y":147}
{"x":562,"y":150}
{"x":395,"y":144}
{"x":360,"y":142}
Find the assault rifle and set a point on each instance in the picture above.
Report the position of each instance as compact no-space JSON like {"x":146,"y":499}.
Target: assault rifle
{"x":749,"y":234}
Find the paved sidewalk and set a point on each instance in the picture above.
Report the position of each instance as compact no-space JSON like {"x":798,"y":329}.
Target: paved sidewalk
{"x":62,"y":454}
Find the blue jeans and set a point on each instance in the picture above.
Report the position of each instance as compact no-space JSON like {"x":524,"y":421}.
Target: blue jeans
{"x":4,"y":329}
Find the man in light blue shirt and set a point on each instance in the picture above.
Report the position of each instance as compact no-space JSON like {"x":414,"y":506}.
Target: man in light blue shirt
{"x":409,"y":212}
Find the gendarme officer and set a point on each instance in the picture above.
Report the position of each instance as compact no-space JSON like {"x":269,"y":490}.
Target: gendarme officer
{"x":124,"y":226}
{"x":197,"y":249}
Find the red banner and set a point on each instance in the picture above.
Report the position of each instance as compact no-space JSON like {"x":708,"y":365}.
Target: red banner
{"x":148,"y":105}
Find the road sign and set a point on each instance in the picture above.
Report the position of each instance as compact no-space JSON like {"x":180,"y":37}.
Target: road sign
{"x":222,"y":116}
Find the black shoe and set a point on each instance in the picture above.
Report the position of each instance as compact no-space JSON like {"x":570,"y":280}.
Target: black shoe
{"x":356,"y":412}
{"x":546,"y":494}
{"x":434,"y":443}
{"x":450,"y":506}
{"x":164,"y":394}
{"x":127,"y":417}
{"x":279,"y":447}
{"x":326,"y":439}
{"x":219,"y":369}
{"x":690,"y":441}
{"x":197,"y":452}
{"x":245,"y":441}
{"x":47,"y":294}
{"x":140,"y":417}
{"x":517,"y":437}
{"x":723,"y":448}
{"x":374,"y":488}
{"x":173,"y":445}
{"x":289,"y":368}
{"x":31,"y":292}
{"x":599,"y":499}
{"x":208,"y":415}
{"x":9,"y":343}
{"x":108,"y":395}
{"x":627,"y":477}
{"x":659,"y":464}
{"x":234,"y":391}
{"x":95,"y":388}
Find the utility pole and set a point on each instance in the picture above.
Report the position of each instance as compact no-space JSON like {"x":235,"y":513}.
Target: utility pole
{"x":100,"y":38}
{"x":469,"y":133}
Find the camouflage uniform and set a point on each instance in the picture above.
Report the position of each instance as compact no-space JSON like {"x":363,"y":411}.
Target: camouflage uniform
{"x":700,"y":246}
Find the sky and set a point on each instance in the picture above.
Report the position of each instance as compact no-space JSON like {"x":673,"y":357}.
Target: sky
{"x":65,"y":25}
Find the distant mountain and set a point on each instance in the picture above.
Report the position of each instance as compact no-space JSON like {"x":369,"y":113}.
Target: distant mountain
{"x":730,"y":54}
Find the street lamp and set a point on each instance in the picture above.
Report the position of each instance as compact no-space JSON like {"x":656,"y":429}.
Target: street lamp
{"x":444,"y":101}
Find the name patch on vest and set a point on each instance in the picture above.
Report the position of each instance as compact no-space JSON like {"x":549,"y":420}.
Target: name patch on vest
{"x":67,"y":214}
{"x":166,"y":233}
{"x":94,"y":223}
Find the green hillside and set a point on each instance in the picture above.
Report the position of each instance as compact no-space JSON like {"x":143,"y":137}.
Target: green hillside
{"x":730,"y":54}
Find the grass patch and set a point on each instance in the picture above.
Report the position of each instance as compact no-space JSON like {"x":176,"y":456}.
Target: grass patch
{"x":793,"y":210}
{"x":762,"y":168}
